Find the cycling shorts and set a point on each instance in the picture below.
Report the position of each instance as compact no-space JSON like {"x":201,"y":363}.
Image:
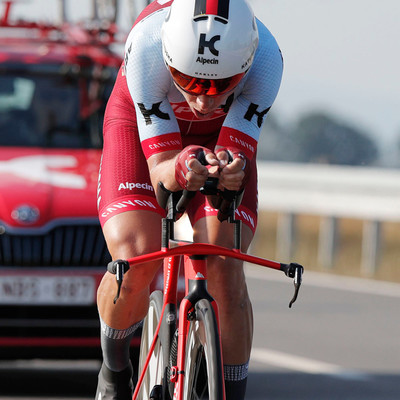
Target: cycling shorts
{"x":124,"y":181}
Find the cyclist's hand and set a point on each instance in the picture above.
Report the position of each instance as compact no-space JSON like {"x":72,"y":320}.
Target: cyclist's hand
{"x":234,"y":168}
{"x":190,"y":166}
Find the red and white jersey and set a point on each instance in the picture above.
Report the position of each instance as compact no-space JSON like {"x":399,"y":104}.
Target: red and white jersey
{"x":161,"y":111}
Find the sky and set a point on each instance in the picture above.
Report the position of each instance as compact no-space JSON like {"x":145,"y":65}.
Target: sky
{"x":341,"y":57}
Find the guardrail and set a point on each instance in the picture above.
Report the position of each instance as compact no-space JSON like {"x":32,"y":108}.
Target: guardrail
{"x":332,"y":192}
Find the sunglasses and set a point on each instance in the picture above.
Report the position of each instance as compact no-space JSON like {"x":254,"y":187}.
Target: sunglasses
{"x":207,"y":87}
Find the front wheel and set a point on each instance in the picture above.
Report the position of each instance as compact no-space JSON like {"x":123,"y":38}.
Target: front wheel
{"x":156,"y":367}
{"x":203,"y":363}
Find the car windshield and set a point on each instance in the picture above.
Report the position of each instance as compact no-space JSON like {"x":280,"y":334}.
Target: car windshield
{"x":54,"y":110}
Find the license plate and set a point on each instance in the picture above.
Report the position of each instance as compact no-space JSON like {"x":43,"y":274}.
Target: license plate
{"x":47,"y":290}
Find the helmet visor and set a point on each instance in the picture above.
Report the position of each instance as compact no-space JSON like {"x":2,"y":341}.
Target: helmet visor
{"x":207,"y":87}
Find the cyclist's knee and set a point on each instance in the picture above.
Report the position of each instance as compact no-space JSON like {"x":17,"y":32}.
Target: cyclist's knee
{"x":136,"y":281}
{"x":132,"y":233}
{"x":129,"y":235}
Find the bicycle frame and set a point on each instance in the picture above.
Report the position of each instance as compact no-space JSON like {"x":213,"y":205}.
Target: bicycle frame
{"x":195,"y":264}
{"x":195,"y":271}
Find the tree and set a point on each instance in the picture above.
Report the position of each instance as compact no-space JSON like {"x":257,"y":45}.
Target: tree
{"x":320,"y":138}
{"x":316,"y":137}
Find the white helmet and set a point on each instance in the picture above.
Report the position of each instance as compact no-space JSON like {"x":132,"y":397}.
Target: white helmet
{"x":209,"y":39}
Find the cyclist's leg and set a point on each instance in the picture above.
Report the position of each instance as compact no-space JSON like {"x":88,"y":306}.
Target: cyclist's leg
{"x":227,"y":285}
{"x":119,"y":321}
{"x":127,"y":235}
{"x":130,"y":218}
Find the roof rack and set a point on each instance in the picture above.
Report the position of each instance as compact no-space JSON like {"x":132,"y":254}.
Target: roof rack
{"x":101,"y":29}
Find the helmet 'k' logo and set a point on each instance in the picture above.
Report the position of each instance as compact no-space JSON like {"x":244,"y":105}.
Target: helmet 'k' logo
{"x":208,"y":43}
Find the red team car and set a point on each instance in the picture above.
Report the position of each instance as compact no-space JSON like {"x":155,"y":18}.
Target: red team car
{"x":54,"y":85}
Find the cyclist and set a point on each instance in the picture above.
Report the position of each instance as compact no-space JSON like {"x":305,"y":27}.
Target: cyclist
{"x":198,"y":76}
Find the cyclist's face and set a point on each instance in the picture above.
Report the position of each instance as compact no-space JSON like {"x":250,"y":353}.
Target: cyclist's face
{"x":203,"y":106}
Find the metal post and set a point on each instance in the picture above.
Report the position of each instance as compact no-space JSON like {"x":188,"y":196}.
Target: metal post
{"x":327,"y":242}
{"x":63,"y":11}
{"x":371,"y":243}
{"x":285,"y":241}
{"x":105,"y":10}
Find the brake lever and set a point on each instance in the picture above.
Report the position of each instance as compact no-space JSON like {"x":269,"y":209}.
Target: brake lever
{"x":294,"y":270}
{"x":118,"y":268}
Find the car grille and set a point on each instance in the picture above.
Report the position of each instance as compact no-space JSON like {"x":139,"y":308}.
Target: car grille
{"x":67,"y":245}
{"x":70,"y":246}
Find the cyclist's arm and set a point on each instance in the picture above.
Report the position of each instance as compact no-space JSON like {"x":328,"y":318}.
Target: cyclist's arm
{"x":149,"y":88}
{"x":162,"y":168}
{"x":231,"y":175}
{"x":149,"y":84}
{"x":243,"y":123}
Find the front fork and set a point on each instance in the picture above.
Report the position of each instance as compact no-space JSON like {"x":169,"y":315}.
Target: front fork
{"x":196,"y":289}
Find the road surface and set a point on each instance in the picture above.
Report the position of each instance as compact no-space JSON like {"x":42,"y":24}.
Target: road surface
{"x":340,"y":340}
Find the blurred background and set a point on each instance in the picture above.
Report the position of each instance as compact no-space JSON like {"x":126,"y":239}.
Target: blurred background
{"x":341,"y":78}
{"x":338,"y":105}
{"x":329,"y":198}
{"x":341,"y":75}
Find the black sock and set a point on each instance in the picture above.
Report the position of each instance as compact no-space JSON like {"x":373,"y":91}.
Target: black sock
{"x":235,"y":390}
{"x":115,"y":344}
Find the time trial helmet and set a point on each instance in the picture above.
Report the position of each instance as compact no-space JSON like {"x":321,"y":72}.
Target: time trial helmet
{"x":209,"y":45}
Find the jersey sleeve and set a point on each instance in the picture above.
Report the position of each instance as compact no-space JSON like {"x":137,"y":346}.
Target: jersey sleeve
{"x":247,"y":113}
{"x":149,"y":82}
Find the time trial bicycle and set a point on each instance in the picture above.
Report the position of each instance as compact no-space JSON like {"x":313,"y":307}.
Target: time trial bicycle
{"x":180,"y":353}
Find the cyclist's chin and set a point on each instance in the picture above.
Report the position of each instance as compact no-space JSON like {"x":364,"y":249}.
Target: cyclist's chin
{"x":202,"y":115}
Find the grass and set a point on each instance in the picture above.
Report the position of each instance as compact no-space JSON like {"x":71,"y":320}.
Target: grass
{"x":347,"y":257}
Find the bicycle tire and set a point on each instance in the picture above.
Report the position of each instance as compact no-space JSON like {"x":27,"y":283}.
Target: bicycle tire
{"x":203,"y":362}
{"x":156,"y":368}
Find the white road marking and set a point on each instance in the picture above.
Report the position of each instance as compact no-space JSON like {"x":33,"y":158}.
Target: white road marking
{"x":39,"y":364}
{"x":330,"y":281}
{"x":304,"y":365}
